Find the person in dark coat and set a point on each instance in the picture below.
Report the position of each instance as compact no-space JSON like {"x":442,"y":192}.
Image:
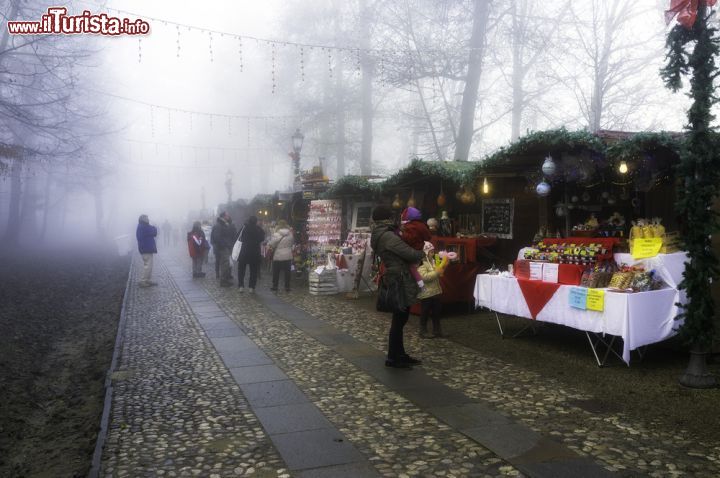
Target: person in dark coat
{"x":223,"y":238}
{"x":252,"y":236}
{"x":145,"y":234}
{"x":396,"y":257}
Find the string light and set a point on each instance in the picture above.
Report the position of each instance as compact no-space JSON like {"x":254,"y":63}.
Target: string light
{"x":152,"y":122}
{"x":177,"y":27}
{"x":240,"y":52}
{"x":302,"y":64}
{"x":382,"y":71}
{"x":330,"y":68}
{"x":211,"y":49}
{"x":169,"y":122}
{"x":139,"y":50}
{"x":273,"y":67}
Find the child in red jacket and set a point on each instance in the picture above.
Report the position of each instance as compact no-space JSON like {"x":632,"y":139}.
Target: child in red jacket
{"x":414,"y":232}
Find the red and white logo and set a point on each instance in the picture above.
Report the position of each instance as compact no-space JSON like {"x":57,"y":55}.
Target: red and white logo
{"x":57,"y":22}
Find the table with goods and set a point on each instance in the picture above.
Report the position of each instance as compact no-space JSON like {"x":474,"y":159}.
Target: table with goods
{"x":581,"y":282}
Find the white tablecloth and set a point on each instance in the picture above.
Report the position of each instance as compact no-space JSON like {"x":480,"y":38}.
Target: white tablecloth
{"x":640,"y":319}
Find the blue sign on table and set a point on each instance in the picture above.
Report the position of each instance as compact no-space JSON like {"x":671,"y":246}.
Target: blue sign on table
{"x":578,"y":297}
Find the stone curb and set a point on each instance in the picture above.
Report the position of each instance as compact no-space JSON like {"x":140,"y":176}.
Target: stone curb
{"x":107,"y":405}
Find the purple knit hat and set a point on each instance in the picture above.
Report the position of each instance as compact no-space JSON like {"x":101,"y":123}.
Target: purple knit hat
{"x":411,"y":214}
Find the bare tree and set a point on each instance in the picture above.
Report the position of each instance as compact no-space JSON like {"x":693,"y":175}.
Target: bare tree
{"x":472,"y":81}
{"x":606,"y":72}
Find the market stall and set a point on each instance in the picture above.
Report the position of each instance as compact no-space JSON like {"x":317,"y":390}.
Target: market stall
{"x":451,"y":205}
{"x":604,"y":256}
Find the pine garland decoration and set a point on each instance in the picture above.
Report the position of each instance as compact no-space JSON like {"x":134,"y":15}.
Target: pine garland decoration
{"x":693,"y":51}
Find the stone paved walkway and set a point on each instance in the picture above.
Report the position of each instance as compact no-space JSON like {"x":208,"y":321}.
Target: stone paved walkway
{"x":213,"y":382}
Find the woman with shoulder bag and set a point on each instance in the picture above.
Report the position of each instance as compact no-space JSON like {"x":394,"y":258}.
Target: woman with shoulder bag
{"x":397,"y":290}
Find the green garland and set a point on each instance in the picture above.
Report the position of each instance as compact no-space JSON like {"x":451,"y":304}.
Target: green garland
{"x":641,"y":143}
{"x":693,"y":51}
{"x":455,"y":172}
{"x":543,"y":142}
{"x":352,"y":186}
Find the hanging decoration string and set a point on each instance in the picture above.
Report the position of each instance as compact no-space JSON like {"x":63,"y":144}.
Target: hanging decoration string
{"x":192,"y":112}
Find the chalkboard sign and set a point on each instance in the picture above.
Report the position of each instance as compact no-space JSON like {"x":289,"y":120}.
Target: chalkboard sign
{"x":361,"y":216}
{"x":497,"y":217}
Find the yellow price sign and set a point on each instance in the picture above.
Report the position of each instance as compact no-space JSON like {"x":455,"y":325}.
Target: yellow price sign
{"x":596,"y":299}
{"x":644,"y":248}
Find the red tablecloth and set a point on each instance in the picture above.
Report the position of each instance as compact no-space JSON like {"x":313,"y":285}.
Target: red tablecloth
{"x":537,"y":294}
{"x":569,"y":274}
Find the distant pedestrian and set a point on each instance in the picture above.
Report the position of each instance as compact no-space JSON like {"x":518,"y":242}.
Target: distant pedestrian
{"x":145,"y":235}
{"x":197,"y":246}
{"x":175,"y":236}
{"x":430,"y":295}
{"x":252,"y":237}
{"x":396,"y":257}
{"x":223,"y":238}
{"x":166,"y":233}
{"x":281,"y":244}
{"x":207,"y":229}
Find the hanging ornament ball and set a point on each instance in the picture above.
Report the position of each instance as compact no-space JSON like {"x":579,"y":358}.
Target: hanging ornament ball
{"x":574,"y":199}
{"x":542,"y":189}
{"x":586,"y":196}
{"x":441,"y":200}
{"x":605,"y":194}
{"x":560,"y":210}
{"x":396,"y":204}
{"x":549,"y":167}
{"x":570,"y":206}
{"x":411,"y":201}
{"x":611,"y":201}
{"x":467,"y":197}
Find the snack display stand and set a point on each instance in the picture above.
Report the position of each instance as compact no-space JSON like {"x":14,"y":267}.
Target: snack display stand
{"x":639,"y":318}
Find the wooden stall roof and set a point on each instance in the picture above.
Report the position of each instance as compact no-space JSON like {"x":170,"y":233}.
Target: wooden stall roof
{"x":607,"y":146}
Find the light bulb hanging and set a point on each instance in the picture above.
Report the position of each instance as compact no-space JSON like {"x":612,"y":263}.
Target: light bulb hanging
{"x":486,"y":186}
{"x":623,"y":167}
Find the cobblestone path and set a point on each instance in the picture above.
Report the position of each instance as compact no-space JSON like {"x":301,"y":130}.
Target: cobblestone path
{"x":178,"y":410}
{"x":539,"y":402}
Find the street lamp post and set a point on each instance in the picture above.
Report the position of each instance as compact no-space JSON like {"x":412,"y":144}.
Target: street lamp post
{"x":297,"y":143}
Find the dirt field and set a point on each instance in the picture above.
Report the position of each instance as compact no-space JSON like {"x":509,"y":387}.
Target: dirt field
{"x":58,"y":320}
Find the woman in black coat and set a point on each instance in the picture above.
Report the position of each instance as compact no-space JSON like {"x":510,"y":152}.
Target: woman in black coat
{"x":252,"y":237}
{"x":396,"y":257}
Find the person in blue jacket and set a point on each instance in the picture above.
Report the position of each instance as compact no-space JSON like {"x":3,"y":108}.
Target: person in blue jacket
{"x":145,"y":235}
